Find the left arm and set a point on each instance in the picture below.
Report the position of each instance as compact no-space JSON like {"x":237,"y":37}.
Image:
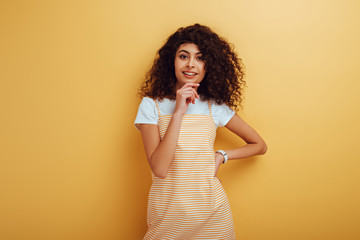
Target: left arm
{"x":255,"y":144}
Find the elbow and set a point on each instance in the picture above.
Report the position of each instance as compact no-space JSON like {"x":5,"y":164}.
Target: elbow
{"x":160,"y":174}
{"x":263,"y":148}
{"x":159,"y":166}
{"x":159,"y":171}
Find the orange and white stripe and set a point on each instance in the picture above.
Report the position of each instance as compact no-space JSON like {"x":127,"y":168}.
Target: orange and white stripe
{"x":190,"y":203}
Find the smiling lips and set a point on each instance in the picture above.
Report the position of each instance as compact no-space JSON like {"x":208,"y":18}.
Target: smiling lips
{"x":189,"y":74}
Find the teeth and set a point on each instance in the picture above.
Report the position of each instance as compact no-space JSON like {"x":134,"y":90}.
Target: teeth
{"x":190,"y":74}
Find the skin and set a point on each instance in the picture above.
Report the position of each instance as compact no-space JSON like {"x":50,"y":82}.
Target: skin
{"x":161,"y":153}
{"x":189,"y":65}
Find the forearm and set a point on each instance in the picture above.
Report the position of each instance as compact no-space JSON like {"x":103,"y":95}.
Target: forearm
{"x":162,"y":157}
{"x":249,"y":150}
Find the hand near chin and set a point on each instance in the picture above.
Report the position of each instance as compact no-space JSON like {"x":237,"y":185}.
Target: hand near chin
{"x":185,"y":95}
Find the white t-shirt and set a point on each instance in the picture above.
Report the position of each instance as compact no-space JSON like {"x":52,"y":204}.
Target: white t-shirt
{"x":148,"y":114}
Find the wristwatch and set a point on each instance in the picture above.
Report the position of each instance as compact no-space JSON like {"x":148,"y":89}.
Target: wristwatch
{"x":222,"y":152}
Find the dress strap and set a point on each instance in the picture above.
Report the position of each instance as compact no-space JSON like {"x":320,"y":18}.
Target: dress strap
{"x":209,"y":104}
{"x":157,"y":106}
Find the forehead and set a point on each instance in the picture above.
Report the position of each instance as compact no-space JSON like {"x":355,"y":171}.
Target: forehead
{"x":189,"y":47}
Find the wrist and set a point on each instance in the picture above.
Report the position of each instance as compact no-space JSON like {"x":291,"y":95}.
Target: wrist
{"x":178,"y":114}
{"x":224,"y":154}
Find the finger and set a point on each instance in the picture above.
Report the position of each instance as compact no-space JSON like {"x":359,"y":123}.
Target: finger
{"x":190,"y":85}
{"x":185,"y":96}
{"x":189,"y":93}
{"x":196,"y":95}
{"x":189,"y":90}
{"x":188,"y":97}
{"x":192,"y":98}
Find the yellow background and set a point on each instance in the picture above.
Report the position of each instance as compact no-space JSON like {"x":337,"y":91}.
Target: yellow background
{"x":73,"y":165}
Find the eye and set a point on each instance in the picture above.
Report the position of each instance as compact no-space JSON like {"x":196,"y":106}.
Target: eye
{"x":182,"y":56}
{"x":200,"y":58}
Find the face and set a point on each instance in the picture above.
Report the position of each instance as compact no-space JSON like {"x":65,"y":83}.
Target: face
{"x":189,"y":64}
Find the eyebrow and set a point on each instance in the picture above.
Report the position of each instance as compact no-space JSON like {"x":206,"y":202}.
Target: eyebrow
{"x":188,"y":52}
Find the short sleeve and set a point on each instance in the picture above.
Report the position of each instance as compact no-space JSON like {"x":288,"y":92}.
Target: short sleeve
{"x":222,"y":114}
{"x":147,"y":113}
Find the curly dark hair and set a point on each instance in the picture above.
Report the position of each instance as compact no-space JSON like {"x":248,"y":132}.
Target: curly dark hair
{"x":224,"y":78}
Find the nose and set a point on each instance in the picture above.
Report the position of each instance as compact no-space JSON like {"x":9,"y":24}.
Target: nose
{"x":190,"y":62}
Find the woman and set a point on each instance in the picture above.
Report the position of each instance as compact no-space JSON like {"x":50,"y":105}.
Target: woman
{"x":194,"y":86}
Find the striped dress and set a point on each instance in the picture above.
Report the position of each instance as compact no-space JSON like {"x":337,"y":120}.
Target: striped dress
{"x":189,"y":203}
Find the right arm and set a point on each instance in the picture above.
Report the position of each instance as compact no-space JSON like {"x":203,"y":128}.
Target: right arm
{"x":161,"y":153}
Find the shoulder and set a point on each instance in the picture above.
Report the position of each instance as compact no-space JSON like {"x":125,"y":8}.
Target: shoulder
{"x":147,"y":112}
{"x":220,"y":107}
{"x":222,"y":113}
{"x":147,"y":101}
{"x":148,"y":105}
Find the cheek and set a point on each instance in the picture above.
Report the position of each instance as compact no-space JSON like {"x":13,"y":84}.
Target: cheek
{"x":178,"y":65}
{"x":203,"y":68}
